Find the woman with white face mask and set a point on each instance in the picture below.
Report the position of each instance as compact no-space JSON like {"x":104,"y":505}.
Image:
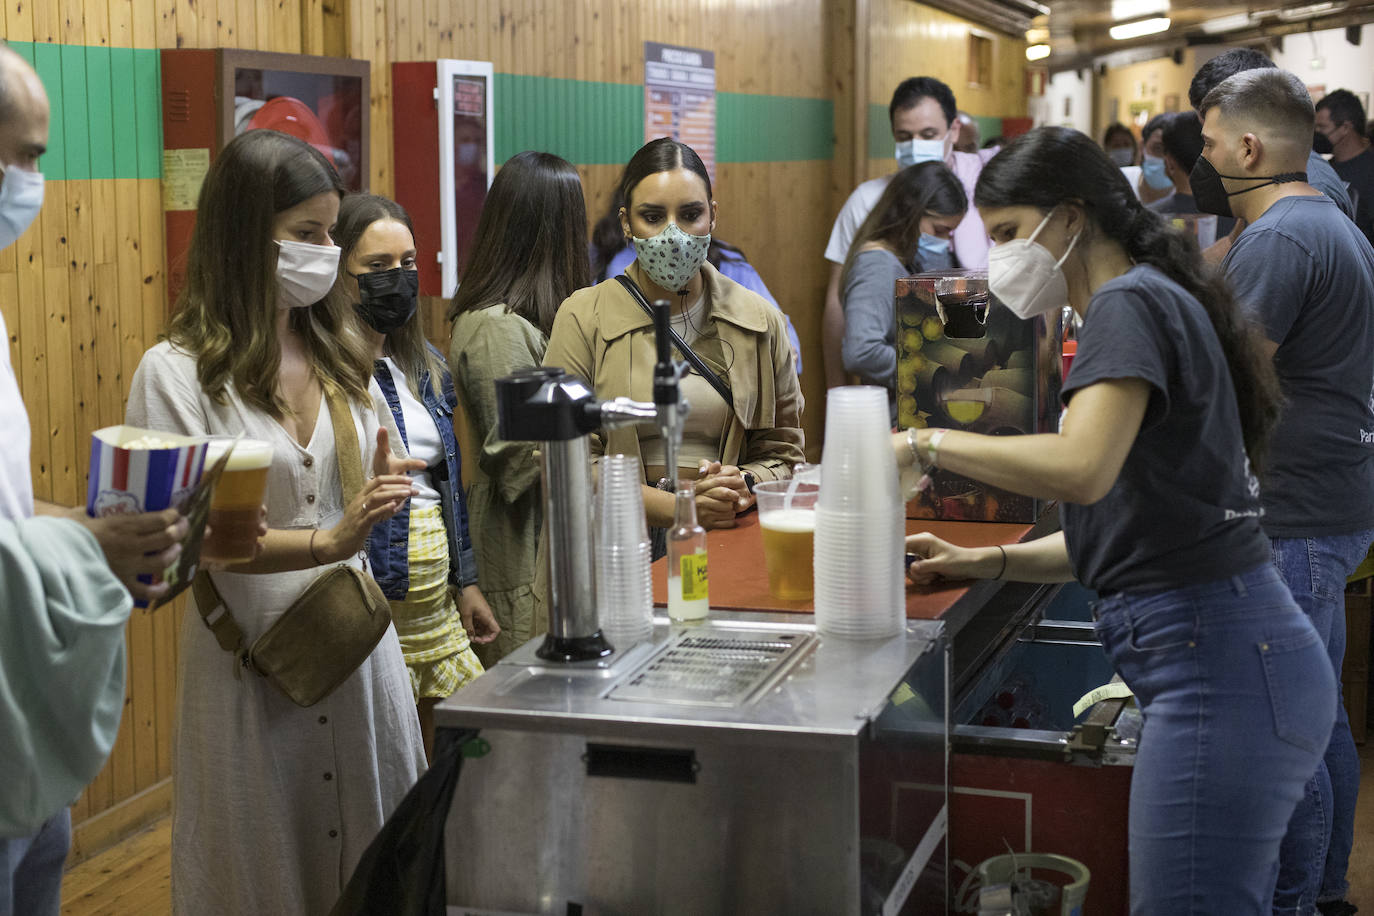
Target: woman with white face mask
{"x":1168,"y":407}
{"x":275,"y":803}
{"x":603,"y":335}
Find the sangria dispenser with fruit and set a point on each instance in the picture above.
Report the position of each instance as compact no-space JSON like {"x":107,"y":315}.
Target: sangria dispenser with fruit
{"x":964,"y":361}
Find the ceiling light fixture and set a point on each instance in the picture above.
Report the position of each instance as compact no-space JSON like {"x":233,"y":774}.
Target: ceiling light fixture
{"x":1231,"y":23}
{"x":1037,"y":52}
{"x":1130,"y":10}
{"x":1307,"y":11}
{"x":1139,"y":28}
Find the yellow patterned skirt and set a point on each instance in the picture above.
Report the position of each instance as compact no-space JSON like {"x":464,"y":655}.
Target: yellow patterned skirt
{"x":435,"y":645}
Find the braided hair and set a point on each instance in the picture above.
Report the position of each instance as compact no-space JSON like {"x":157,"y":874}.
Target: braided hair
{"x":1050,"y":166}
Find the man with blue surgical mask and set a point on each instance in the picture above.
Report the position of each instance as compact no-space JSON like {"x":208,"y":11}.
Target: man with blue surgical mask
{"x":66,"y":582}
{"x":924,"y":121}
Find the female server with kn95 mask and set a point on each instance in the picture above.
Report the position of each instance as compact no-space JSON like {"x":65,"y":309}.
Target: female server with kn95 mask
{"x":1169,"y":403}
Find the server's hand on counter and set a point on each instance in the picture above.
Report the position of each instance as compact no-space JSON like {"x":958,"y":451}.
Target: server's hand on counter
{"x":936,"y":559}
{"x":1044,"y":559}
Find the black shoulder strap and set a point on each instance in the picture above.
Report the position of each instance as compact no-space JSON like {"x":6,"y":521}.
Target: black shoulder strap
{"x":687,"y":352}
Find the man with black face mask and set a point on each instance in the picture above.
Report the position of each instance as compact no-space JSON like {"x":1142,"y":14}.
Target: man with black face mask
{"x":1340,"y":132}
{"x":1305,"y":275}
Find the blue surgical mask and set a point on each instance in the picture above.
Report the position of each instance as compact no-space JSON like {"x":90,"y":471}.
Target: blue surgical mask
{"x":21,"y":197}
{"x":911,"y":152}
{"x":1155,"y":176}
{"x":934,"y":253}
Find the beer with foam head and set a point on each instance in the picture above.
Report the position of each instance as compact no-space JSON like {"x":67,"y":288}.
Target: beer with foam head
{"x":787,"y":517}
{"x":238,"y":499}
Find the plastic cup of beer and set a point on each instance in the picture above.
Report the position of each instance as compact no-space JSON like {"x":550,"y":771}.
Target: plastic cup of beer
{"x":238,"y":499}
{"x":787,"y":516}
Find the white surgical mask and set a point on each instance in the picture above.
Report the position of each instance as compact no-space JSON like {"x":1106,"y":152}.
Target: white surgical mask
{"x":1024,"y":275}
{"x":935,"y":253}
{"x":21,"y":197}
{"x":673,"y":257}
{"x":911,"y":152}
{"x":305,"y":273}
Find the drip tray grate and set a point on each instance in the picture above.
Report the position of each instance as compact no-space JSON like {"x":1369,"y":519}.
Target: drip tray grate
{"x":720,"y":668}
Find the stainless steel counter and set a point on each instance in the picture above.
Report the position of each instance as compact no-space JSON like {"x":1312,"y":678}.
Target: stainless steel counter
{"x":743,"y":765}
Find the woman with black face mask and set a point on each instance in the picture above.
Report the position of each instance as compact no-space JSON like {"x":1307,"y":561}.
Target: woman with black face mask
{"x":422,"y":557}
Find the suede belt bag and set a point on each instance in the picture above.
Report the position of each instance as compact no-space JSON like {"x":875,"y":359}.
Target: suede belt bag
{"x":330,"y":630}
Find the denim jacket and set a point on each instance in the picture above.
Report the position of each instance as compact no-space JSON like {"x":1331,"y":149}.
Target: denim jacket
{"x":388,"y":546}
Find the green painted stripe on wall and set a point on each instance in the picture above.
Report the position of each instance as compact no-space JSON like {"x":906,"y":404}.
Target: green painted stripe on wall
{"x":880,"y":144}
{"x":585,"y":122}
{"x":770,"y":128}
{"x":107,"y":120}
{"x":106,"y":115}
{"x":594,"y":123}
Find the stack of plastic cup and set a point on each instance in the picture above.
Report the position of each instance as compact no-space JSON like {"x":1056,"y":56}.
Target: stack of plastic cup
{"x":624,"y":589}
{"x":860,"y":520}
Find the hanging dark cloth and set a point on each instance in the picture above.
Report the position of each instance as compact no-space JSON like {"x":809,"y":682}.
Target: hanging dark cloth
{"x":402,"y":871}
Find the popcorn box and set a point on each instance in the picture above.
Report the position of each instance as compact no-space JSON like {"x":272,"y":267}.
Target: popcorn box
{"x":139,"y":470}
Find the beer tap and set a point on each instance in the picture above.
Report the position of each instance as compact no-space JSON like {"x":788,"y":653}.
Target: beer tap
{"x":560,"y":411}
{"x":671,"y":405}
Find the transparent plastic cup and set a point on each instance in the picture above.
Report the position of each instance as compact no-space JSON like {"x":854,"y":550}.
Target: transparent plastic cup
{"x":787,"y":517}
{"x":237,"y":504}
{"x":624,"y":588}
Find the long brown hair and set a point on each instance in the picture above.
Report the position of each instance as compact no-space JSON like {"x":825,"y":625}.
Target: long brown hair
{"x":407,"y":344}
{"x":530,"y":246}
{"x":895,"y":220}
{"x":226,"y":316}
{"x":1054,"y":165}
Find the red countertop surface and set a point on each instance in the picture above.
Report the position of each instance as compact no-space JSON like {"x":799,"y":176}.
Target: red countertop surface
{"x":739,"y":578}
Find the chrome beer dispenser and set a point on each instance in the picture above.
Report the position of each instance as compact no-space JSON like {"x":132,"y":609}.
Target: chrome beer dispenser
{"x":559,"y":411}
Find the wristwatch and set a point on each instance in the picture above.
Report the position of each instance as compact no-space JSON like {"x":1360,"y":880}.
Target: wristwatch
{"x":750,"y":481}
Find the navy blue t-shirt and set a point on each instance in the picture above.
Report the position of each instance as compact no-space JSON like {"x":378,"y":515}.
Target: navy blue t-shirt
{"x":1305,"y":274}
{"x":1185,"y":508}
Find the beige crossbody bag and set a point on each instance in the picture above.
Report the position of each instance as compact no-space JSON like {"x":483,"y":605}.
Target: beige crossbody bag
{"x":331,"y":629}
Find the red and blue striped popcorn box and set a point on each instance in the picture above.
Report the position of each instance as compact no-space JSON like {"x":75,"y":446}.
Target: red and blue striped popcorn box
{"x":140,"y":470}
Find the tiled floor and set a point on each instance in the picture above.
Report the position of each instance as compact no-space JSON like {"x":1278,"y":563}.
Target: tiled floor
{"x":134,"y":878}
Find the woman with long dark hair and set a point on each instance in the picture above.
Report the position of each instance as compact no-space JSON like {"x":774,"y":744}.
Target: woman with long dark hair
{"x":920,"y":207}
{"x":275,"y":803}
{"x":1167,"y":411}
{"x":529,"y":254}
{"x":422,"y":557}
{"x":603,"y":334}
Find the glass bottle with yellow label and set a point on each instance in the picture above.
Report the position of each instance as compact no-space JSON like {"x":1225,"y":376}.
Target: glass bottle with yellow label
{"x":687,"y":594}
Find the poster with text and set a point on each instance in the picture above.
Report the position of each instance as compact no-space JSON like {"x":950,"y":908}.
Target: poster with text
{"x":680,"y":98}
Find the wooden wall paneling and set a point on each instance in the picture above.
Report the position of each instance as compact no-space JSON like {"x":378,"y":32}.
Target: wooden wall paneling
{"x":165,"y":644}
{"x":207,"y":23}
{"x":262,"y":24}
{"x":312,"y":27}
{"x":166,"y":25}
{"x":245,"y":16}
{"x":187,"y":24}
{"x":121,"y":22}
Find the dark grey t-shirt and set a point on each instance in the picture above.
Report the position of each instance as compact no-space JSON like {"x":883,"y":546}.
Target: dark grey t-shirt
{"x":1358,"y":171}
{"x":1323,"y":177}
{"x":1306,"y":275}
{"x":1185,"y":508}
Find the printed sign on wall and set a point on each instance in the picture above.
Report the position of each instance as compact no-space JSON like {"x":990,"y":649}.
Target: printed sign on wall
{"x":680,"y":98}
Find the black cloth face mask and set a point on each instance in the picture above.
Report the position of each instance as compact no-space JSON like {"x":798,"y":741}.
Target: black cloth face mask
{"x":1321,"y":144}
{"x":1211,"y":195}
{"x":388,"y":298}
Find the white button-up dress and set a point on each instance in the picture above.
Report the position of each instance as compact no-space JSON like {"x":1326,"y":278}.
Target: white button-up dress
{"x":274,"y":804}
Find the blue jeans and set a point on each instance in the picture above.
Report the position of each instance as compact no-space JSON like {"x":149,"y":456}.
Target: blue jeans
{"x":1316,"y":849}
{"x":1238,"y":702}
{"x":31,"y":869}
